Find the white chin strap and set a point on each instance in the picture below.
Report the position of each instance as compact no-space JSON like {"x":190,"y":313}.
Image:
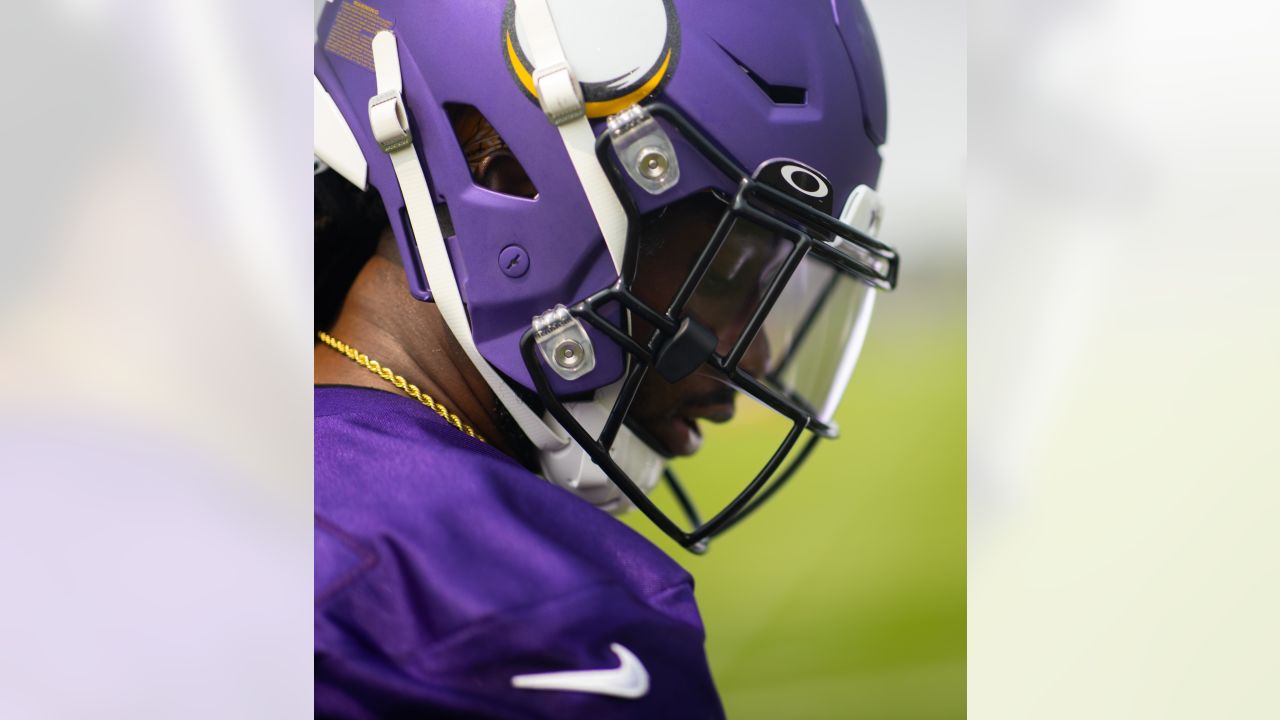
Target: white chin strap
{"x":573,"y":469}
{"x":563,"y":461}
{"x":560,"y":97}
{"x":390,"y":126}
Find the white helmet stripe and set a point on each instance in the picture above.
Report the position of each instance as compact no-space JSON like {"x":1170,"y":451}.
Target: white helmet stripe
{"x":334,"y":143}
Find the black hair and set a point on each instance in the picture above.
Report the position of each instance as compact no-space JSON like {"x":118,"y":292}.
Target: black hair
{"x":348,"y":224}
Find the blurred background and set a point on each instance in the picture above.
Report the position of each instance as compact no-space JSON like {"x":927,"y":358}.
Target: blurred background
{"x":1124,"y":338}
{"x":155,"y":400}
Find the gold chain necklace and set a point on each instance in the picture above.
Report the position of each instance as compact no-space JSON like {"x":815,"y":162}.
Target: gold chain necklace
{"x":390,"y":376}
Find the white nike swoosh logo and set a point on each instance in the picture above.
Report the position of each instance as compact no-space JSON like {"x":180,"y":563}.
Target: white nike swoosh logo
{"x":628,"y":680}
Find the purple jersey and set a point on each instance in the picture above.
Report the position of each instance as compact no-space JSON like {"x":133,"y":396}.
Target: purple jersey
{"x":445,"y":571}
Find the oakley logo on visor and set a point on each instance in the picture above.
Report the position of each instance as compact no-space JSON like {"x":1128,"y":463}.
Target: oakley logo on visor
{"x":799,"y":181}
{"x":805,"y":181}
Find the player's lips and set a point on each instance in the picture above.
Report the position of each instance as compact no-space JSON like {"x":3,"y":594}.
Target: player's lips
{"x":680,"y":434}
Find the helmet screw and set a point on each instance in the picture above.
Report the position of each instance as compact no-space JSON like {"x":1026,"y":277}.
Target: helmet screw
{"x":652,"y":163}
{"x":514,"y":261}
{"x":568,"y":354}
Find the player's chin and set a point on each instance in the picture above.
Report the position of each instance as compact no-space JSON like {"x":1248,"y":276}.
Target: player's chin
{"x":680,"y":434}
{"x":670,"y":436}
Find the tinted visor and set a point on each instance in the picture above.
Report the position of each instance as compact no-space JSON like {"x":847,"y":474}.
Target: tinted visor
{"x":785,"y":315}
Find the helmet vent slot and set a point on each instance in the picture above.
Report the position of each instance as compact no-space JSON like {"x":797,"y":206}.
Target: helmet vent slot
{"x":779,"y":94}
{"x":492,"y":163}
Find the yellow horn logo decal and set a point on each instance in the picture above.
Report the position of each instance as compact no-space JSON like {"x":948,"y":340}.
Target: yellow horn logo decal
{"x":613,"y":75}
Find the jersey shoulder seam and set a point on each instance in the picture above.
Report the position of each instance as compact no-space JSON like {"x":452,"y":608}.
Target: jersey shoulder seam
{"x":368,"y":559}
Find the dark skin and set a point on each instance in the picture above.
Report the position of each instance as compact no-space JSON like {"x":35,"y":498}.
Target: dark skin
{"x":382,"y":320}
{"x":723,"y":302}
{"x":385,"y":322}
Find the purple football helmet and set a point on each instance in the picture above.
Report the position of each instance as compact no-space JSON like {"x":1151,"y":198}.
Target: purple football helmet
{"x":762,"y":118}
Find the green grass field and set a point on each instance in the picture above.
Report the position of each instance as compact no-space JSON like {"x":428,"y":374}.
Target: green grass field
{"x":845,"y":596}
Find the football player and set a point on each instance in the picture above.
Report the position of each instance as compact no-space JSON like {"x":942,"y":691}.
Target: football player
{"x":592,"y":227}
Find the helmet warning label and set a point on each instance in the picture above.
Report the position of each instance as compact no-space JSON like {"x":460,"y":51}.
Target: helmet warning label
{"x":350,"y":37}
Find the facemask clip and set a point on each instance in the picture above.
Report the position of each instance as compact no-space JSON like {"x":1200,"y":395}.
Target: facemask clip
{"x":644,"y":149}
{"x":564,"y":343}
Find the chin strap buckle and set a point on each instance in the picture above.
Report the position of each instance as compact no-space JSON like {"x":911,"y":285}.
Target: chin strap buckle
{"x":559,"y":94}
{"x":389,"y":121}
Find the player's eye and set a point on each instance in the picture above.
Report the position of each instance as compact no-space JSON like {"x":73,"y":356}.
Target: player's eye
{"x":718,"y":284}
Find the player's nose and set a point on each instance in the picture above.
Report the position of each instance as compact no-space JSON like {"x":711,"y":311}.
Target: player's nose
{"x":758,"y":360}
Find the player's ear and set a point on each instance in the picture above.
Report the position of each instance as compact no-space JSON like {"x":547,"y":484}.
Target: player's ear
{"x":493,"y":165}
{"x":504,"y":174}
